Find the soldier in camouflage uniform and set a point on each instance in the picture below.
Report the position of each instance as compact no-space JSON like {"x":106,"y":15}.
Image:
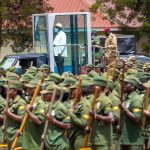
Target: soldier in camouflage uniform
{"x":111,"y":50}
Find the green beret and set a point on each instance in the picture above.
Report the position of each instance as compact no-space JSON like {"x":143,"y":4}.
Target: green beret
{"x":69,"y":81}
{"x":90,"y":66}
{"x":32,"y":84}
{"x":144,"y":75}
{"x":46,"y":84}
{"x":110,"y":84}
{"x":15,"y":85}
{"x":99,"y":66}
{"x":67,"y":74}
{"x":93,"y":74}
{"x":99,"y":81}
{"x":133,"y":80}
{"x":12,"y":69}
{"x":49,"y":89}
{"x":26,"y":78}
{"x":132,"y":72}
{"x":55,"y":78}
{"x":31,"y":72}
{"x":85,"y":85}
{"x":44,"y":66}
{"x":12,"y":76}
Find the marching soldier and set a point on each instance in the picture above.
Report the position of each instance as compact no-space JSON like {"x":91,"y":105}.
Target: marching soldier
{"x":131,"y":130}
{"x":90,"y":70}
{"x":147,"y":123}
{"x":99,"y":68}
{"x":79,"y":118}
{"x":15,"y":112}
{"x":2,"y":104}
{"x":58,"y":122}
{"x":31,"y":137}
{"x":101,"y":132}
{"x":111,"y":50}
{"x":114,"y":97}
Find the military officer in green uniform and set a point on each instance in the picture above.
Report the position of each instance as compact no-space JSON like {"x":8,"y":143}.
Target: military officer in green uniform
{"x":15,"y":112}
{"x":2,"y":103}
{"x":96,"y":47}
{"x":99,"y":68}
{"x":114,"y":97}
{"x":131,"y":130}
{"x":147,"y":115}
{"x":31,"y":137}
{"x":90,"y":70}
{"x":101,"y":132}
{"x":55,"y":138}
{"x":79,"y":118}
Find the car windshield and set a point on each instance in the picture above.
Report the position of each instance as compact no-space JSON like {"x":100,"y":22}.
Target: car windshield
{"x":7,"y":62}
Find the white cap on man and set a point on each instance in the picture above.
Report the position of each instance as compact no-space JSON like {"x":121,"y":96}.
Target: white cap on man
{"x":59,"y":25}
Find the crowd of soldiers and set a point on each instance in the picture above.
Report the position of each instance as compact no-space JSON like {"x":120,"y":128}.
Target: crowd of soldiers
{"x":65,"y":102}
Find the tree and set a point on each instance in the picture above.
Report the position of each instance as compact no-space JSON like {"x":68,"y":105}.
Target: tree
{"x":129,"y":10}
{"x":16,"y":21}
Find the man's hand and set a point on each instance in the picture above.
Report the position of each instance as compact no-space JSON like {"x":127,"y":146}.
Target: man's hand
{"x":18,"y":134}
{"x":29,"y":108}
{"x":3,"y":128}
{"x":6,"y":111}
{"x":118,"y":128}
{"x":50,"y":118}
{"x":71,"y":111}
{"x":122,"y":106}
{"x":87,"y":130}
{"x":42,"y":138}
{"x":59,"y":55}
{"x":92,"y":114}
{"x":105,"y":47}
{"x":146,"y":112}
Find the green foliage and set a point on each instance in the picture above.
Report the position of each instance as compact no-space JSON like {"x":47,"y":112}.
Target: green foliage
{"x":16,"y":21}
{"x":146,"y":48}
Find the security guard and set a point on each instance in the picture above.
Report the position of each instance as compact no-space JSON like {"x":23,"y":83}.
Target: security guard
{"x":96,"y":47}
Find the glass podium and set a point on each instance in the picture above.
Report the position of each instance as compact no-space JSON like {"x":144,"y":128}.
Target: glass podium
{"x":66,"y":38}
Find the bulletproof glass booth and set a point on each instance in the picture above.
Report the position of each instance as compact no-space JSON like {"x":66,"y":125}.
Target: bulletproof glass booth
{"x":70,"y":46}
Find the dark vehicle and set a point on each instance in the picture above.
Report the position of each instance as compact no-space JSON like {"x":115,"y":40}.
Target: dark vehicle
{"x":140,"y":57}
{"x":24,"y":61}
{"x":126,"y":44}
